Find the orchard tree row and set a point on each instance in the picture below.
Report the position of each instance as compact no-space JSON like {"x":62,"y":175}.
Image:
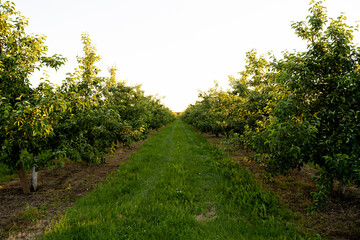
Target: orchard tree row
{"x":81,"y":120}
{"x":303,"y":108}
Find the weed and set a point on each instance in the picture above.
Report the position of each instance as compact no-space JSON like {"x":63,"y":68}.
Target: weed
{"x":6,"y":174}
{"x":34,"y":213}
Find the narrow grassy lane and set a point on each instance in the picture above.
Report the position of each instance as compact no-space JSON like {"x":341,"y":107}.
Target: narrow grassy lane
{"x":177,"y":186}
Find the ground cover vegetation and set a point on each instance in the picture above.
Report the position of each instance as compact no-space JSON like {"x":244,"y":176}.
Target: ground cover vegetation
{"x":80,"y":120}
{"x":300,"y":109}
{"x":23,"y":216}
{"x":178,"y":186}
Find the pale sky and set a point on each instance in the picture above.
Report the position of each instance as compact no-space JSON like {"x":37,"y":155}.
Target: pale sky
{"x":172,"y":47}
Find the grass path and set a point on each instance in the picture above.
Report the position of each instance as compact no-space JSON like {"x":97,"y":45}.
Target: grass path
{"x":177,"y":186}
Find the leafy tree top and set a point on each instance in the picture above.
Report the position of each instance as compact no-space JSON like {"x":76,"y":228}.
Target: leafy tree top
{"x":20,"y":53}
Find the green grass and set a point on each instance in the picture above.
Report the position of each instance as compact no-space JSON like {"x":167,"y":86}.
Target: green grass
{"x":177,"y":186}
{"x":5,"y":173}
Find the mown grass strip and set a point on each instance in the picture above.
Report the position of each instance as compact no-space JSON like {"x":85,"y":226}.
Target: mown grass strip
{"x":177,"y":186}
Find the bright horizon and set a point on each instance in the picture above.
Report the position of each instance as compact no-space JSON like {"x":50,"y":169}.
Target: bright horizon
{"x":172,"y":48}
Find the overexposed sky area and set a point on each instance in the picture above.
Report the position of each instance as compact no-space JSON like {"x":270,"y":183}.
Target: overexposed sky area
{"x":172,"y":47}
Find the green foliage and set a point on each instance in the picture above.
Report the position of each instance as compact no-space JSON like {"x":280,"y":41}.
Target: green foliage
{"x":33,"y":213}
{"x":177,"y":186}
{"x":102,"y":112}
{"x":87,"y":72}
{"x":20,"y":54}
{"x":5,"y":173}
{"x":302,"y":108}
{"x":320,"y":106}
{"x":217,"y":112}
{"x":25,"y":113}
{"x":84,"y":118}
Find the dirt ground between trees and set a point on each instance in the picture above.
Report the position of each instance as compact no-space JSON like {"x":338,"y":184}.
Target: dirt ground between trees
{"x":340,"y":220}
{"x":26,"y":216}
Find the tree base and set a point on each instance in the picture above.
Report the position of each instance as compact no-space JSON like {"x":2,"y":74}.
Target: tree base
{"x":25,"y":183}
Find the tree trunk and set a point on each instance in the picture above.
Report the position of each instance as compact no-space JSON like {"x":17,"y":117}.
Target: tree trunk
{"x":331,"y":186}
{"x":34,"y":179}
{"x":341,"y":188}
{"x":25,"y":183}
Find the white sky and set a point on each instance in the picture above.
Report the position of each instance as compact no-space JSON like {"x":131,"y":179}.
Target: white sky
{"x":172,"y":47}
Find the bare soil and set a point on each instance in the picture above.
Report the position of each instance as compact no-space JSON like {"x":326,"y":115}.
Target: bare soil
{"x":340,"y":220}
{"x":24,"y":216}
